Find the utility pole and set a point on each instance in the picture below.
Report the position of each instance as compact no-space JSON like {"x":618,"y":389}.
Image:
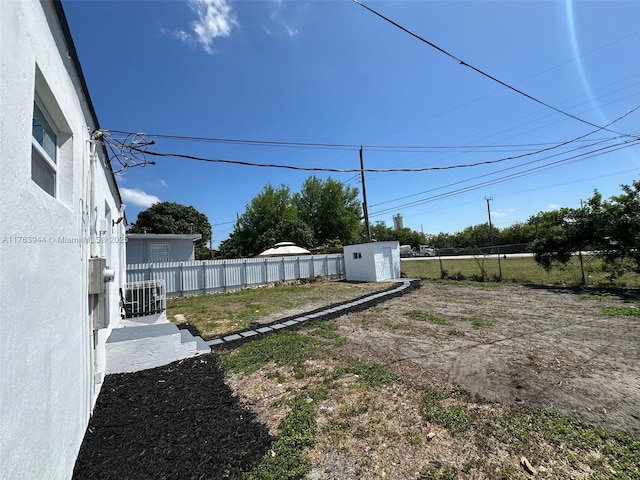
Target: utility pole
{"x":364,"y":200}
{"x":584,"y":279}
{"x":488,"y":199}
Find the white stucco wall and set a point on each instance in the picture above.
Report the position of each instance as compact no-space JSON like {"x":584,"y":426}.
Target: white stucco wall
{"x":377,"y":262}
{"x":48,"y":363}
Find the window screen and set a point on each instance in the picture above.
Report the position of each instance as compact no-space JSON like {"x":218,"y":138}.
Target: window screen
{"x":159,"y":252}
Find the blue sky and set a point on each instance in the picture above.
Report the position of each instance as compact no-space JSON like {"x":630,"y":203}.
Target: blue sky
{"x":331,"y":72}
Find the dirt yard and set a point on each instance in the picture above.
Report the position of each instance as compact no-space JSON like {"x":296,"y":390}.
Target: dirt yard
{"x":519,"y":346}
{"x":545,"y":347}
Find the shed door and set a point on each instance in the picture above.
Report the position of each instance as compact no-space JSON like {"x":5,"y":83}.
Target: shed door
{"x":387,"y":264}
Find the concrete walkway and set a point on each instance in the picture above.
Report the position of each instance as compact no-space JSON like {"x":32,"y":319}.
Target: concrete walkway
{"x":404,"y":285}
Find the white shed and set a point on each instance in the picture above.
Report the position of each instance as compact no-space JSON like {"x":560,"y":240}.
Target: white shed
{"x":372,"y":262}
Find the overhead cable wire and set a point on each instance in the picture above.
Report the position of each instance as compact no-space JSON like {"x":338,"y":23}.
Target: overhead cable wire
{"x":485,"y":74}
{"x":561,"y":162}
{"x":141,"y":148}
{"x":262,"y":143}
{"x":370,"y":148}
{"x":495,"y":172}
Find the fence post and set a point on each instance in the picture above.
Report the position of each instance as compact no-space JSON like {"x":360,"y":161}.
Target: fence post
{"x":266,"y":272}
{"x":224,"y":276}
{"x":312,"y":270}
{"x":181,"y":279}
{"x":245,"y":283}
{"x":284,"y":270}
{"x":204,"y":276}
{"x":150,"y":271}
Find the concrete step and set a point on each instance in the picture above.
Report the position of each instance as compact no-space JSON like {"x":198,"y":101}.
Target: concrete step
{"x":199,"y":344}
{"x":134,"y":348}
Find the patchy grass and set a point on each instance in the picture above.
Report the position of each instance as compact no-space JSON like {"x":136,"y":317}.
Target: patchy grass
{"x":477,"y":322}
{"x":328,"y":331}
{"x":594,"y":296}
{"x":530,"y":431}
{"x":222,"y":313}
{"x":367,"y":374}
{"x":356,"y":404}
{"x":437,"y":472}
{"x":284,"y":348}
{"x":426,"y":317}
{"x":456,"y":333}
{"x":296,"y":431}
{"x":622,"y":311}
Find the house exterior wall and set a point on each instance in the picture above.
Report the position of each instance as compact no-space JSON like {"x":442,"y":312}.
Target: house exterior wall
{"x":372,"y":262}
{"x":51,"y":356}
{"x":182,"y":249}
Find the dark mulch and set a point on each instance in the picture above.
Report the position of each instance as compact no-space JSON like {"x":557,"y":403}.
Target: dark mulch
{"x":179,"y":421}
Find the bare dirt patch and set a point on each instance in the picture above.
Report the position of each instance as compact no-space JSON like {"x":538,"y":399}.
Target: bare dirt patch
{"x":515,"y":344}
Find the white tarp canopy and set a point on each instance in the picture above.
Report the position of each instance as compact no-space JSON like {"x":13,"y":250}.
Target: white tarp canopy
{"x":283,"y":249}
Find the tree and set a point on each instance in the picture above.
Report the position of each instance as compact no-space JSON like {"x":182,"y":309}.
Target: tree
{"x":609,"y":228}
{"x":557,"y":237}
{"x":405,"y":236}
{"x":270,"y":218}
{"x":613,"y":227}
{"x":516,"y":233}
{"x":170,"y":217}
{"x":323,"y":213}
{"x":331,"y":210}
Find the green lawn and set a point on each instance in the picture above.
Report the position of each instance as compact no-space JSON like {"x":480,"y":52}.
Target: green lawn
{"x":515,"y":269}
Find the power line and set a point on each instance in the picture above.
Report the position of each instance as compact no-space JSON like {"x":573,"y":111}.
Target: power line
{"x":491,"y":173}
{"x":583,"y":156}
{"x":481,"y":72}
{"x":347,"y":146}
{"x":138,"y":148}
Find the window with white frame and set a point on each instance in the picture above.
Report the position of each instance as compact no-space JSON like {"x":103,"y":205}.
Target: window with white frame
{"x":159,"y":252}
{"x":44,"y":150}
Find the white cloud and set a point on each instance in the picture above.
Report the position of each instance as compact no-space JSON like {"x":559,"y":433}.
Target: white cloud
{"x":502,"y":213}
{"x":554,"y":206}
{"x":214,"y":19}
{"x":137,"y":197}
{"x":279,"y":25}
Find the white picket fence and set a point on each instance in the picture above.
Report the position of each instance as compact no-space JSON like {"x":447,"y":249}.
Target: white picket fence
{"x":212,"y":276}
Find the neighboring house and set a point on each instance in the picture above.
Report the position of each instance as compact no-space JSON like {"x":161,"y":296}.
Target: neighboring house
{"x":372,"y":262}
{"x":61,"y":245}
{"x":160,"y":247}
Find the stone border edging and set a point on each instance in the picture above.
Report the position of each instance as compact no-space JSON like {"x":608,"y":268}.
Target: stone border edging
{"x":326,"y":313}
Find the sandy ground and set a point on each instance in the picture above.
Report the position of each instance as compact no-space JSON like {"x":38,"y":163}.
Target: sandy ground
{"x":537,"y":346}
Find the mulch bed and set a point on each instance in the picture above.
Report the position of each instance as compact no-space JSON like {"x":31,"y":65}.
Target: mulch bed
{"x":180,"y":421}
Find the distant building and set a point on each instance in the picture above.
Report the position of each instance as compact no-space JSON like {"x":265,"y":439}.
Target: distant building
{"x":161,"y":247}
{"x":398,"y":222}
